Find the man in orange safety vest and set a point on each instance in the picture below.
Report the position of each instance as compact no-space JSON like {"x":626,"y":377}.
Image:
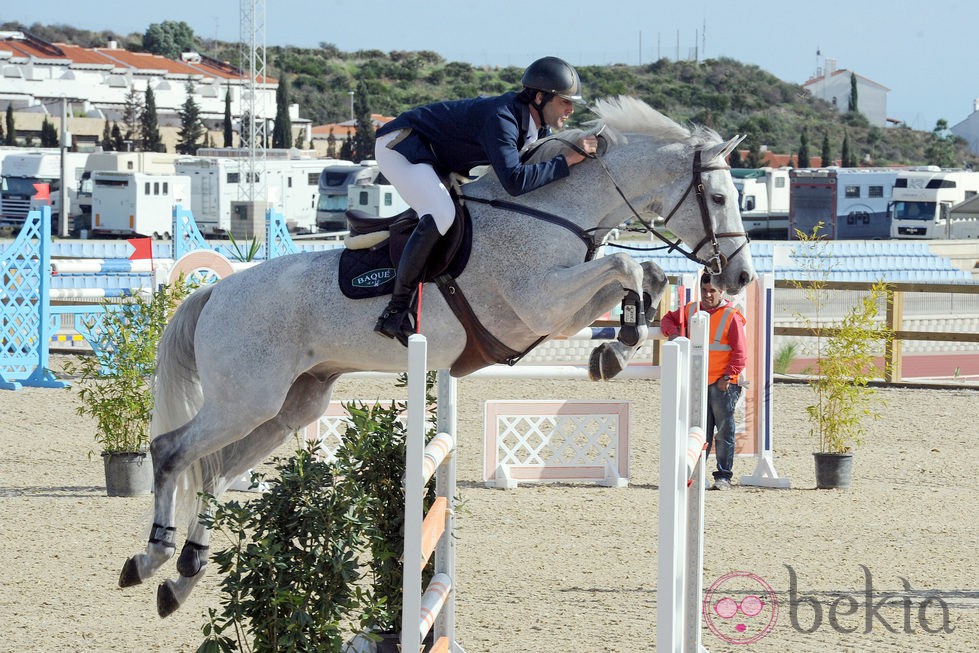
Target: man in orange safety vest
{"x":726,"y":359}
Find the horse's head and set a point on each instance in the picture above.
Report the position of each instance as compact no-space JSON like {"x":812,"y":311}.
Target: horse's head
{"x":683,"y":176}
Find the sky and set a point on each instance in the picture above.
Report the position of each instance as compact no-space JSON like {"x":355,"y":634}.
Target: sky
{"x":925,"y":53}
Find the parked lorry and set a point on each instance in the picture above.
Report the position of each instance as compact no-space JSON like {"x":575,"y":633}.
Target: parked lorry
{"x":21,"y":171}
{"x":127,"y":204}
{"x":923,"y":199}
{"x":763,"y":197}
{"x":851,"y":203}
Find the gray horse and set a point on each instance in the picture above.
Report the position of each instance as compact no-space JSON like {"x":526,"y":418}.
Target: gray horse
{"x":246,"y":362}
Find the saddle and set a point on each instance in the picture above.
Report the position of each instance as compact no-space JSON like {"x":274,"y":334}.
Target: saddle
{"x":369,"y":262}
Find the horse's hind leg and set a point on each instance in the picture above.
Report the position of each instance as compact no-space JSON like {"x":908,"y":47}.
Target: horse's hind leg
{"x":610,"y":358}
{"x":176,"y":459}
{"x":307,"y":401}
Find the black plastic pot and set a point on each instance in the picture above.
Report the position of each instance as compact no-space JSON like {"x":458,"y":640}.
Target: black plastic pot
{"x":833,"y":470}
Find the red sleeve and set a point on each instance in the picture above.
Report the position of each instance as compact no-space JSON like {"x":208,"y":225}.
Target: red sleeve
{"x":739,"y":347}
{"x":670,"y":324}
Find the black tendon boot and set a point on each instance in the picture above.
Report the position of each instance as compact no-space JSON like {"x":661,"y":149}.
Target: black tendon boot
{"x":394,"y":321}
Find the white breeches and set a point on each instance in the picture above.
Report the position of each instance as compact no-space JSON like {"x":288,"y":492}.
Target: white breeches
{"x":417,"y":183}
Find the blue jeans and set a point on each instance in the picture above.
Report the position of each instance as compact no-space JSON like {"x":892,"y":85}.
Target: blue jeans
{"x":720,"y":414}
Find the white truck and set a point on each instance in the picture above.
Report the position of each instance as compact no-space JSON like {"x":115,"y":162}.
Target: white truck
{"x":127,"y":204}
{"x":380,"y":200}
{"x":763,"y":197}
{"x":21,"y":171}
{"x":151,"y":162}
{"x":216,"y":182}
{"x":923,"y":198}
{"x":851,"y":203}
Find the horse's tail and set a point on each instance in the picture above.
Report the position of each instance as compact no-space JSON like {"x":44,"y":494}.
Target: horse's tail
{"x":177,"y":394}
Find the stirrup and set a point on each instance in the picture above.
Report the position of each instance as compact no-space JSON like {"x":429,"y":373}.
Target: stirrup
{"x":395,"y":323}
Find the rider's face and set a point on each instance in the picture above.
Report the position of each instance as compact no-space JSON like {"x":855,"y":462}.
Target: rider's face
{"x":557,"y":111}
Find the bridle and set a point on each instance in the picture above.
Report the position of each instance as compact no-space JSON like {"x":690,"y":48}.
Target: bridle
{"x":715,"y":264}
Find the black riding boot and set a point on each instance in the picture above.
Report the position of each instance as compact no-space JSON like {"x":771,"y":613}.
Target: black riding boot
{"x":394,"y":321}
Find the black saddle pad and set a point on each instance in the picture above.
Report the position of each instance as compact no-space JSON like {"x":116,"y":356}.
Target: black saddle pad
{"x":370,"y":272}
{"x":366,"y":272}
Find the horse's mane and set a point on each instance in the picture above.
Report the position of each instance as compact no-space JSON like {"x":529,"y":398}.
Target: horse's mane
{"x":622,"y":114}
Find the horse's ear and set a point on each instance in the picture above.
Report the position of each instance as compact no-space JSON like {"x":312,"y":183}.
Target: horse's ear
{"x":721,"y":149}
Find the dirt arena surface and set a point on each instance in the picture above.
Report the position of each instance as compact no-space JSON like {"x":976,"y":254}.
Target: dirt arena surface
{"x":557,"y":568}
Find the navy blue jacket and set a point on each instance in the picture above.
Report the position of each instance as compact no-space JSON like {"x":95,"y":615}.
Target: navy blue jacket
{"x":459,"y":135}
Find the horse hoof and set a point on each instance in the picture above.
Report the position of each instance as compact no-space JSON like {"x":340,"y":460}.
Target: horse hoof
{"x":166,"y":600}
{"x":603,"y":363}
{"x":130,"y":574}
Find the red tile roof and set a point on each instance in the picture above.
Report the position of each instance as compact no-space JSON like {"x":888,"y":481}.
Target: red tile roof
{"x":31,"y":46}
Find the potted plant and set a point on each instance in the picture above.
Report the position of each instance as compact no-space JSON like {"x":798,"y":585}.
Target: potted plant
{"x":114,"y":384}
{"x":844,"y":367}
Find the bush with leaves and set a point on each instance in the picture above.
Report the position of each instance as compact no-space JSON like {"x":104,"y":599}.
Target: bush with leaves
{"x":291,"y":571}
{"x":114,"y":385}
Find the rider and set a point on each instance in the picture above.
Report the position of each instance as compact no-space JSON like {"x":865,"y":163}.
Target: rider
{"x":456,"y":136}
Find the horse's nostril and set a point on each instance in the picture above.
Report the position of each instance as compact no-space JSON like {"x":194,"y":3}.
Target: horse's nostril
{"x":744,"y":279}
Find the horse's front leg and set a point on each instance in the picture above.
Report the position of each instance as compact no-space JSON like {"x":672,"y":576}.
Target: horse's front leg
{"x":610,"y":358}
{"x":562,"y":298}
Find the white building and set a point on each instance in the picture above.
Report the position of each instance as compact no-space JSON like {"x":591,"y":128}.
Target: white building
{"x":969,"y":128}
{"x":36,"y":75}
{"x":833,"y":86}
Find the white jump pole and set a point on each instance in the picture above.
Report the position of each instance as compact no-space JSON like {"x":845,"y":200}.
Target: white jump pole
{"x":436,"y":607}
{"x":683,"y":418}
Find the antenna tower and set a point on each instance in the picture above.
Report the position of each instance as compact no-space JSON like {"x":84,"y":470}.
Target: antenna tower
{"x":251,"y":52}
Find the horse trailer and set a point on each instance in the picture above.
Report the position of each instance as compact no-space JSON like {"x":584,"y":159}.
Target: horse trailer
{"x":851,"y":203}
{"x":127,"y":204}
{"x":289,"y":185}
{"x":763,"y":197}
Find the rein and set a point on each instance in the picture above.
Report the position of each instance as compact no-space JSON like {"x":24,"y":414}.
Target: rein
{"x":587,"y":238}
{"x":715,"y":264}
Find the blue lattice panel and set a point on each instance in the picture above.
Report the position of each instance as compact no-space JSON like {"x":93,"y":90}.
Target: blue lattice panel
{"x":24,"y":306}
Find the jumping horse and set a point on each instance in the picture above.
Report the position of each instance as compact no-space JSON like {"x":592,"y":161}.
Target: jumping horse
{"x":249,"y":360}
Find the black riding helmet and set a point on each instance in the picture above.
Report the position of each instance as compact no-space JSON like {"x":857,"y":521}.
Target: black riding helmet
{"x":553,"y":76}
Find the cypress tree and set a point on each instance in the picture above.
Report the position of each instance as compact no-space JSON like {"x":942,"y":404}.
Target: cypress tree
{"x":853,"y":105}
{"x":49,"y":135}
{"x":149,"y":125}
{"x":845,"y":151}
{"x":107,"y":137}
{"x":191,"y":129}
{"x":118,"y":141}
{"x":229,"y":136}
{"x":363,"y":141}
{"x":802,"y":160}
{"x":282,"y":129}
{"x":825,"y":153}
{"x":11,"y":136}
{"x":132,"y":109}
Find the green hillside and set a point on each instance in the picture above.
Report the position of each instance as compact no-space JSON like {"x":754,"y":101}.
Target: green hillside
{"x":729,"y":96}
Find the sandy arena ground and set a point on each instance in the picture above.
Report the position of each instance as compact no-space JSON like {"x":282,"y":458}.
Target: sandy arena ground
{"x":557,"y":568}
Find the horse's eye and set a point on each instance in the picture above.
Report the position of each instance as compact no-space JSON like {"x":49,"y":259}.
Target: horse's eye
{"x":718,"y":198}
